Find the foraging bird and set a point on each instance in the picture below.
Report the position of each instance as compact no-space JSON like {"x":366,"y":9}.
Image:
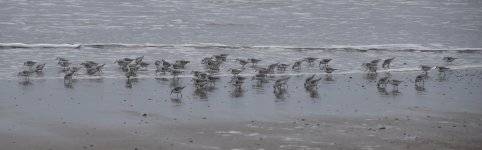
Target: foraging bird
{"x":39,"y":67}
{"x":312,"y":83}
{"x":395,"y":83}
{"x":254,"y":61}
{"x":328,"y":70}
{"x":425,"y":68}
{"x":375,"y":61}
{"x":324,"y":62}
{"x":236,"y":72}
{"x":175,"y":74}
{"x":182,"y":63}
{"x":370,"y":67}
{"x":29,"y":64}
{"x":278,"y":84}
{"x":283,"y":66}
{"x":68,"y":77}
{"x":310,"y":60}
{"x":382,"y":81}
{"x":272,"y":67}
{"x":139,"y":59}
{"x":177,"y":90}
{"x":442,"y":69}
{"x":419,"y":79}
{"x":387,"y":62}
{"x":242,"y":62}
{"x":309,"y":79}
{"x":449,"y":60}
{"x":297,"y":65}
{"x":129,"y":75}
{"x":25,"y":74}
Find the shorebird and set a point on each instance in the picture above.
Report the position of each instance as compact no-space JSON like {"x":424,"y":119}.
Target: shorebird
{"x":157,"y":63}
{"x":387,"y":62}
{"x":395,"y":83}
{"x":139,"y":59}
{"x":425,"y":69}
{"x":272,"y":67}
{"x":212,"y":79}
{"x":297,"y":65}
{"x":177,"y":90}
{"x":324,"y":62}
{"x":165,"y":63}
{"x":61,"y":59}
{"x":328,"y":70}
{"x":283,"y":67}
{"x":237,"y":84}
{"x":242,"y":62}
{"x":309,"y":79}
{"x":29,"y":64}
{"x":312,"y":83}
{"x":182,"y":63}
{"x":68,"y":77}
{"x":419,"y":79}
{"x":259,"y":77}
{"x":89,"y":64}
{"x":382,"y":81}
{"x":64,"y":64}
{"x":129,"y":75}
{"x":310,"y":60}
{"x":95,"y":69}
{"x":254,"y":61}
{"x":143,"y":65}
{"x":370,"y":67}
{"x":163,"y":70}
{"x":25,"y":74}
{"x":375,"y":61}
{"x":278,"y":84}
{"x":220,"y":57}
{"x":442,"y":69}
{"x":236,"y":72}
{"x":175,"y":74}
{"x":449,"y":60}
{"x":39,"y":67}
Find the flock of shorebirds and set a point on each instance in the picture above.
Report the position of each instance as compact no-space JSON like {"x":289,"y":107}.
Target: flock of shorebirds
{"x":204,"y":79}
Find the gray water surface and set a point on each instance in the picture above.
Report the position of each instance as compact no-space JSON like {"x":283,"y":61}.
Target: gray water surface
{"x":314,"y":23}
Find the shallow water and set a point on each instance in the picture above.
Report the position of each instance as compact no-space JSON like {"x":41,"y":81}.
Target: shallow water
{"x":347,"y":60}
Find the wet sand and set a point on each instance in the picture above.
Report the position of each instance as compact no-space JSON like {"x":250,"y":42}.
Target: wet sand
{"x":345,"y":112}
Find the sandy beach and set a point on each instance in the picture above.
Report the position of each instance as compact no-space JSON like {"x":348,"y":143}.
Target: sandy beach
{"x":347,"y":111}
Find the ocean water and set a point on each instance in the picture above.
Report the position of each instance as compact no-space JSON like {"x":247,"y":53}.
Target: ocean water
{"x":348,"y":31}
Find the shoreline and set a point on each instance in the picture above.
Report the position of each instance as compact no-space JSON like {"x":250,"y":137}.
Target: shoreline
{"x":347,"y":111}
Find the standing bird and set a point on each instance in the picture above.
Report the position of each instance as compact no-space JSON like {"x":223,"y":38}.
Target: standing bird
{"x":425,"y":68}
{"x":39,"y":67}
{"x":324,"y":62}
{"x":29,"y":64}
{"x":442,"y":69}
{"x":328,"y":70}
{"x":395,"y":84}
{"x":309,"y":79}
{"x":449,"y":60}
{"x":254,"y":61}
{"x":235,"y":72}
{"x":129,"y":75}
{"x":242,"y":62}
{"x":387,"y":62}
{"x":312,"y":83}
{"x":382,"y":81}
{"x":68,"y":78}
{"x":283,"y":67}
{"x":25,"y":74}
{"x":297,"y":65}
{"x":419,"y":79}
{"x":310,"y":60}
{"x":177,"y":90}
